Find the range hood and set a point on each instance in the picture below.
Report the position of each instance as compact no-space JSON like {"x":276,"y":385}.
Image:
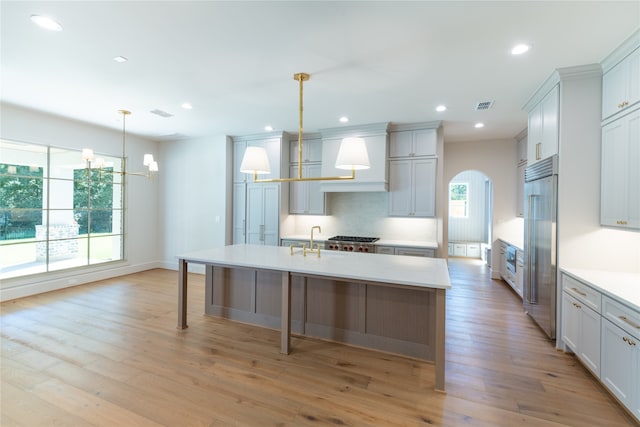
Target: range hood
{"x":376,"y":138}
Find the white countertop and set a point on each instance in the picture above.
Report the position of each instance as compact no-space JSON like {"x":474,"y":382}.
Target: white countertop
{"x":624,"y":287}
{"x":409,"y":271}
{"x":519,"y":244}
{"x":381,"y":242}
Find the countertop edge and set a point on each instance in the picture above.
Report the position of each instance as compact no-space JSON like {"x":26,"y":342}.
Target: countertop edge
{"x":594,"y":278}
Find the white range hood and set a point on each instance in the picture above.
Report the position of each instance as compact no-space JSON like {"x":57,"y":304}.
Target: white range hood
{"x":376,"y":137}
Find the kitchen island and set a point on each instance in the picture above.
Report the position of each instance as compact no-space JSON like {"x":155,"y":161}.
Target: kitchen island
{"x":392,"y":303}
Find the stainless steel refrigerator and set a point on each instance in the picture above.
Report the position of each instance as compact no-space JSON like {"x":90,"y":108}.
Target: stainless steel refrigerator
{"x":540,"y":214}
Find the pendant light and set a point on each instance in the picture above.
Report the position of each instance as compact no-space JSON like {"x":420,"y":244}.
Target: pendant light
{"x":352,"y":154}
{"x":99,"y":163}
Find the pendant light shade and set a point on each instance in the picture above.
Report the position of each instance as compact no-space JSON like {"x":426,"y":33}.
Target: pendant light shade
{"x":353,"y":155}
{"x":255,"y":161}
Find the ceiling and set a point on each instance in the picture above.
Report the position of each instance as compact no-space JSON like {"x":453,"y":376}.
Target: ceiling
{"x":234,"y":61}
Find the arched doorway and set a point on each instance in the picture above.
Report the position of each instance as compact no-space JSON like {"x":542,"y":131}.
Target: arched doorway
{"x":470,"y":207}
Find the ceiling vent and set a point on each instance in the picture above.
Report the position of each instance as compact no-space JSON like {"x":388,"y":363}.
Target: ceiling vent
{"x":161,"y":113}
{"x":484,"y":105}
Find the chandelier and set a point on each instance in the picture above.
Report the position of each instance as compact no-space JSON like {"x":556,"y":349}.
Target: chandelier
{"x":99,"y":162}
{"x":352,"y":154}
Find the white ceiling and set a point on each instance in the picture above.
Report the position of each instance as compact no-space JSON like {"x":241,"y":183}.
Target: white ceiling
{"x":234,"y":61}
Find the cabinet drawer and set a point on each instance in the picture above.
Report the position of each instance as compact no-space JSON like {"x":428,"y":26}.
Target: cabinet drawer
{"x":430,"y":253}
{"x":621,"y":316}
{"x":583,"y":293}
{"x":459,"y":249}
{"x":388,"y":250}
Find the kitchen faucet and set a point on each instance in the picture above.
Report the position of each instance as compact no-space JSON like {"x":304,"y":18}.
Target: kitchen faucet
{"x":311,"y":249}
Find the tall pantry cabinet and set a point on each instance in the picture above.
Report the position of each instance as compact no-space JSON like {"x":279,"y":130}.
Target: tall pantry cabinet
{"x":257,"y":206}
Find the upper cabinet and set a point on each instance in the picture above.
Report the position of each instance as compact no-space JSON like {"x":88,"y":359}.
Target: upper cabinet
{"x":311,"y":150}
{"x":410,"y":143}
{"x":273,"y":145}
{"x":543,"y":127}
{"x":522,"y":165}
{"x":373,"y":179}
{"x":620,"y":172}
{"x":620,"y":175}
{"x":306,"y":197}
{"x":621,"y":85}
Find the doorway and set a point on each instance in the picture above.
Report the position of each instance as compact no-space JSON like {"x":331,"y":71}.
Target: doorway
{"x":470,"y":207}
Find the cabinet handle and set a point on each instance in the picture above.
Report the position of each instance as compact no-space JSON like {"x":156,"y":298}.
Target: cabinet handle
{"x":577,"y":291}
{"x":244,"y":227}
{"x":576,"y":305}
{"x":629,"y":322}
{"x":629,"y":341}
{"x":262,"y":233}
{"x":623,"y":104}
{"x":621,"y":222}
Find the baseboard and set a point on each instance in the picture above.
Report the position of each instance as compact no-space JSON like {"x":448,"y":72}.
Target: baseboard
{"x":24,"y":287}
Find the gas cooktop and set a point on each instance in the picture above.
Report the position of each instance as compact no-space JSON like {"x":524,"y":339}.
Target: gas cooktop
{"x":354,"y":239}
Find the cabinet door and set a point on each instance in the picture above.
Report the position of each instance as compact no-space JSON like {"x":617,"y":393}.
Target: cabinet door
{"x":311,"y":151}
{"x":424,"y":187}
{"x":520,"y":191}
{"x":424,"y":142}
{"x":425,"y":253}
{"x":590,"y":349}
{"x":570,"y":322}
{"x":298,"y":193}
{"x":315,"y":196}
{"x":239,"y":213}
{"x":619,"y":371}
{"x":239,"y":148}
{"x":550,"y":118}
{"x":621,"y":85}
{"x":254,"y":221}
{"x":272,"y":146}
{"x":534,"y":134}
{"x":400,"y":187}
{"x":400,"y":144}
{"x":263,"y":201}
{"x":271,"y":214}
{"x":620,"y":175}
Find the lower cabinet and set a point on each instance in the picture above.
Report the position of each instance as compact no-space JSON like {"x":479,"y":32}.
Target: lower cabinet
{"x":621,"y":365}
{"x":394,"y":250}
{"x":262,"y":214}
{"x":604,"y":333}
{"x":581,"y":332}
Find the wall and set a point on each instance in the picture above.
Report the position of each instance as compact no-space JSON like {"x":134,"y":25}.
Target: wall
{"x":497,"y":160}
{"x":142,"y":238}
{"x":472,"y":228}
{"x":196,"y":196}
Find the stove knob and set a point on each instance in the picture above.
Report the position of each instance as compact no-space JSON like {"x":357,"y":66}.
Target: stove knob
{"x":366,"y":249}
{"x":351,"y":248}
{"x":360,"y":249}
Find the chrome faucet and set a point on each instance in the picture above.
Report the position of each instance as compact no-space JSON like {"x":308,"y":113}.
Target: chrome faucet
{"x":315,"y":250}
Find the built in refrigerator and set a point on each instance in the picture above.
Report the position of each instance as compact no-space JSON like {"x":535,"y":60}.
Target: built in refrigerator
{"x":540,"y":213}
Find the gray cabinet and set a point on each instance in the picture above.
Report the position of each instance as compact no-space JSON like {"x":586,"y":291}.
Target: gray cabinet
{"x":543,"y":127}
{"x":412,"y":187}
{"x":621,"y":85}
{"x":306,"y":197}
{"x":262,"y":220}
{"x":413,"y":143}
{"x":620,"y":174}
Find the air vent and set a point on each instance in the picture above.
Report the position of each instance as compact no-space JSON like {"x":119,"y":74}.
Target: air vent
{"x":161,"y":113}
{"x":484,"y":105}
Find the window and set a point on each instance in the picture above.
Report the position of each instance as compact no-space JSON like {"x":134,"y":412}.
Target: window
{"x":54,"y":212}
{"x":459,"y":200}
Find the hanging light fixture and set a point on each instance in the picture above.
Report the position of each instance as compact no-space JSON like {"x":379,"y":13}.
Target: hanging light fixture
{"x":352,"y":154}
{"x":99,"y":163}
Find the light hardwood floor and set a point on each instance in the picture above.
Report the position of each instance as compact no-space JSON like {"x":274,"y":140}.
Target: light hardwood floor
{"x":109,"y":354}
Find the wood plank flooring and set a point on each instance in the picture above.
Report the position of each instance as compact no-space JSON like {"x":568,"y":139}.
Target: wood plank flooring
{"x":109,"y":354}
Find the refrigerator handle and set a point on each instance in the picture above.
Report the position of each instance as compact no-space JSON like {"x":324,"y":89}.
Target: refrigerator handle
{"x":530,"y":291}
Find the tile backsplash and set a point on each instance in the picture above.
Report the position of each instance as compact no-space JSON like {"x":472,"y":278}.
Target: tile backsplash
{"x":362,"y":214}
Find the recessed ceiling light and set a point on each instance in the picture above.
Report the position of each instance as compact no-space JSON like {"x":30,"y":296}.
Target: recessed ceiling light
{"x":520,"y":49}
{"x":479,"y":125}
{"x":46,"y":23}
{"x":268,"y":128}
{"x":120,"y":59}
{"x":187,"y":106}
{"x":344,"y":119}
{"x":441,"y":108}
